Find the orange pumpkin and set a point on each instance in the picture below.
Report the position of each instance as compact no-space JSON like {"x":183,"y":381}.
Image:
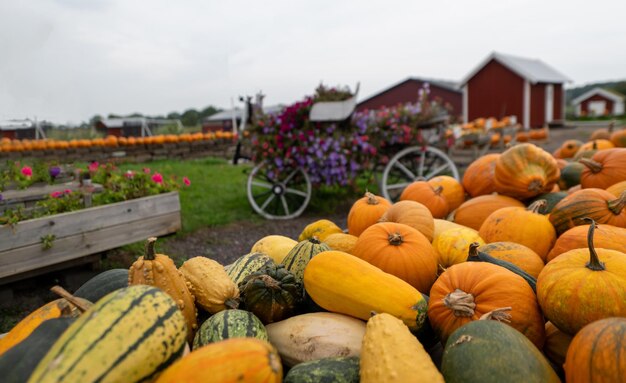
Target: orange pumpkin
{"x":598,"y":352}
{"x":618,"y":138}
{"x":365,"y":212}
{"x":466,"y":291}
{"x":604,"y":169}
{"x":479,"y":178}
{"x":341,"y":242}
{"x":600,"y":144}
{"x":413,"y":214}
{"x":606,"y":237}
{"x":569,"y":148}
{"x":452,"y":190}
{"x":525,"y":171}
{"x":519,"y":255}
{"x":524,"y":226}
{"x":617,"y":189}
{"x":399,"y":250}
{"x":557,"y":343}
{"x":583,"y":285}
{"x":601,"y":134}
{"x":521,"y":137}
{"x":598,"y":204}
{"x":473,"y":212}
{"x":424,"y":193}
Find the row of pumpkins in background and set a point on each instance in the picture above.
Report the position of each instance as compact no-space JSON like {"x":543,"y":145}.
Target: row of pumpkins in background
{"x":404,"y":295}
{"x":9,"y":145}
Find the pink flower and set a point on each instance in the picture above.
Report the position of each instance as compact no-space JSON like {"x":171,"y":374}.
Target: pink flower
{"x":186,"y":181}
{"x":27,"y":171}
{"x":67,"y":191}
{"x":129,"y":174}
{"x":157,"y":177}
{"x":93,"y":166}
{"x":146,"y":170}
{"x":56,"y":194}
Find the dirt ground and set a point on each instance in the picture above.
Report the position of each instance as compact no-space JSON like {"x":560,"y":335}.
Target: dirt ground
{"x":224,"y":244}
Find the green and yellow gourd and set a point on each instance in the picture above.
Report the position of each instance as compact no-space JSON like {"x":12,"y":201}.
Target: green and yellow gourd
{"x":102,"y":284}
{"x":246,"y":265}
{"x":228,"y":324}
{"x":301,"y":254}
{"x":391,"y":353}
{"x":130,"y":335}
{"x":336,"y":370}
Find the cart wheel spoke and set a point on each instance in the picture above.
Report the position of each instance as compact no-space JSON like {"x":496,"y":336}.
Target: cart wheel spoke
{"x":285,"y":205}
{"x":262,"y":184}
{"x":437,"y":171}
{"x":267,"y":201}
{"x":405,"y":170}
{"x":296,"y":192}
{"x":420,"y":171}
{"x":398,"y":186}
{"x":290,"y":176}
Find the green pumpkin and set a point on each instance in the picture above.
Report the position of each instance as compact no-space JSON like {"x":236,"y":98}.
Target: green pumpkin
{"x":272,"y":293}
{"x":490,"y":351}
{"x":479,"y":256}
{"x":246,"y":265}
{"x":228,"y":324}
{"x":336,"y":370}
{"x":570,"y":175}
{"x":102,"y":284}
{"x":297,"y":259}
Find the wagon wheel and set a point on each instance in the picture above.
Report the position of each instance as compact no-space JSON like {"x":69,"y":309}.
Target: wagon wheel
{"x":278,"y":197}
{"x":413,"y":164}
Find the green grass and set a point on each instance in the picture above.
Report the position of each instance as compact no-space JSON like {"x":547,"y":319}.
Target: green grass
{"x":217,"y":195}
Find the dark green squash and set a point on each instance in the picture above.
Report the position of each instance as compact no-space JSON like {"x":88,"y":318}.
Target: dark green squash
{"x":18,"y":363}
{"x":272,"y":293}
{"x":490,"y":351}
{"x":336,"y":370}
{"x":479,"y":256}
{"x":297,"y":259}
{"x":246,"y":265}
{"x":570,"y":175}
{"x":102,"y":284}
{"x":551,"y":200}
{"x":228,"y":324}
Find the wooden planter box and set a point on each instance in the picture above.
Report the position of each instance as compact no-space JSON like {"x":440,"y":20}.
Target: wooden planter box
{"x":82,"y":233}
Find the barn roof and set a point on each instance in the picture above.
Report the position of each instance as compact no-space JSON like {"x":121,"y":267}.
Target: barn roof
{"x":533,"y":70}
{"x":16,"y":125}
{"x":445,"y":84}
{"x":610,"y":94}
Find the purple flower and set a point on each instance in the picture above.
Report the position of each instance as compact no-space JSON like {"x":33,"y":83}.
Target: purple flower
{"x":54,"y":171}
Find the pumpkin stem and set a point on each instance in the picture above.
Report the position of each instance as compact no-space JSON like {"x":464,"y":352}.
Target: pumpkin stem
{"x":611,"y":126}
{"x":535,"y":185}
{"x":60,"y":291}
{"x":617,"y":205}
{"x":270,"y":282}
{"x":472,"y":254}
{"x":395,"y":239}
{"x":594,"y":166}
{"x":501,"y":315}
{"x":438,"y":190}
{"x":461,"y":303}
{"x":231,"y":303}
{"x":315,"y":240}
{"x":371,"y":198}
{"x":594,"y":145}
{"x":594,"y":262}
{"x":149,"y":254}
{"x":536,"y":206}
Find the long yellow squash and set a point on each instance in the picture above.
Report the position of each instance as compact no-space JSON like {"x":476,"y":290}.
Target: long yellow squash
{"x":390,"y":353}
{"x":342,"y":283}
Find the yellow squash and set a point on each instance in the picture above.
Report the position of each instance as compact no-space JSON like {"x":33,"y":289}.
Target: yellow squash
{"x":390,"y":353}
{"x":276,"y":246}
{"x":210,"y":285}
{"x":342,"y":283}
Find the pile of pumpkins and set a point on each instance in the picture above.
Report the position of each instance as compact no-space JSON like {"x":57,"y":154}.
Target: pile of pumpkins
{"x":500,"y":277}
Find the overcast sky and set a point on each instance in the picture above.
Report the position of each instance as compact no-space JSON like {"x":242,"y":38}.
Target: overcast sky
{"x":67,"y":60}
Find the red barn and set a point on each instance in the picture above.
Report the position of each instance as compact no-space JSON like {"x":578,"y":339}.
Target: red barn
{"x":407,"y":91}
{"x":599,"y":102}
{"x":504,"y":85}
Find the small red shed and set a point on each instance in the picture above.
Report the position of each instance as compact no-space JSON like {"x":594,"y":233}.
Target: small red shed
{"x":504,"y":85}
{"x":599,"y":102}
{"x":407,"y":91}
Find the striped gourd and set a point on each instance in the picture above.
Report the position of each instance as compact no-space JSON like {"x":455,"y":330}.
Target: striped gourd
{"x":128,"y":336}
{"x":229,"y":324}
{"x":301,"y":254}
{"x":246,"y":265}
{"x":230,"y":360}
{"x":102,"y":284}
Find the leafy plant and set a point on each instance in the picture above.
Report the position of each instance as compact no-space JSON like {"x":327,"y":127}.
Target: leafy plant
{"x":47,"y":241}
